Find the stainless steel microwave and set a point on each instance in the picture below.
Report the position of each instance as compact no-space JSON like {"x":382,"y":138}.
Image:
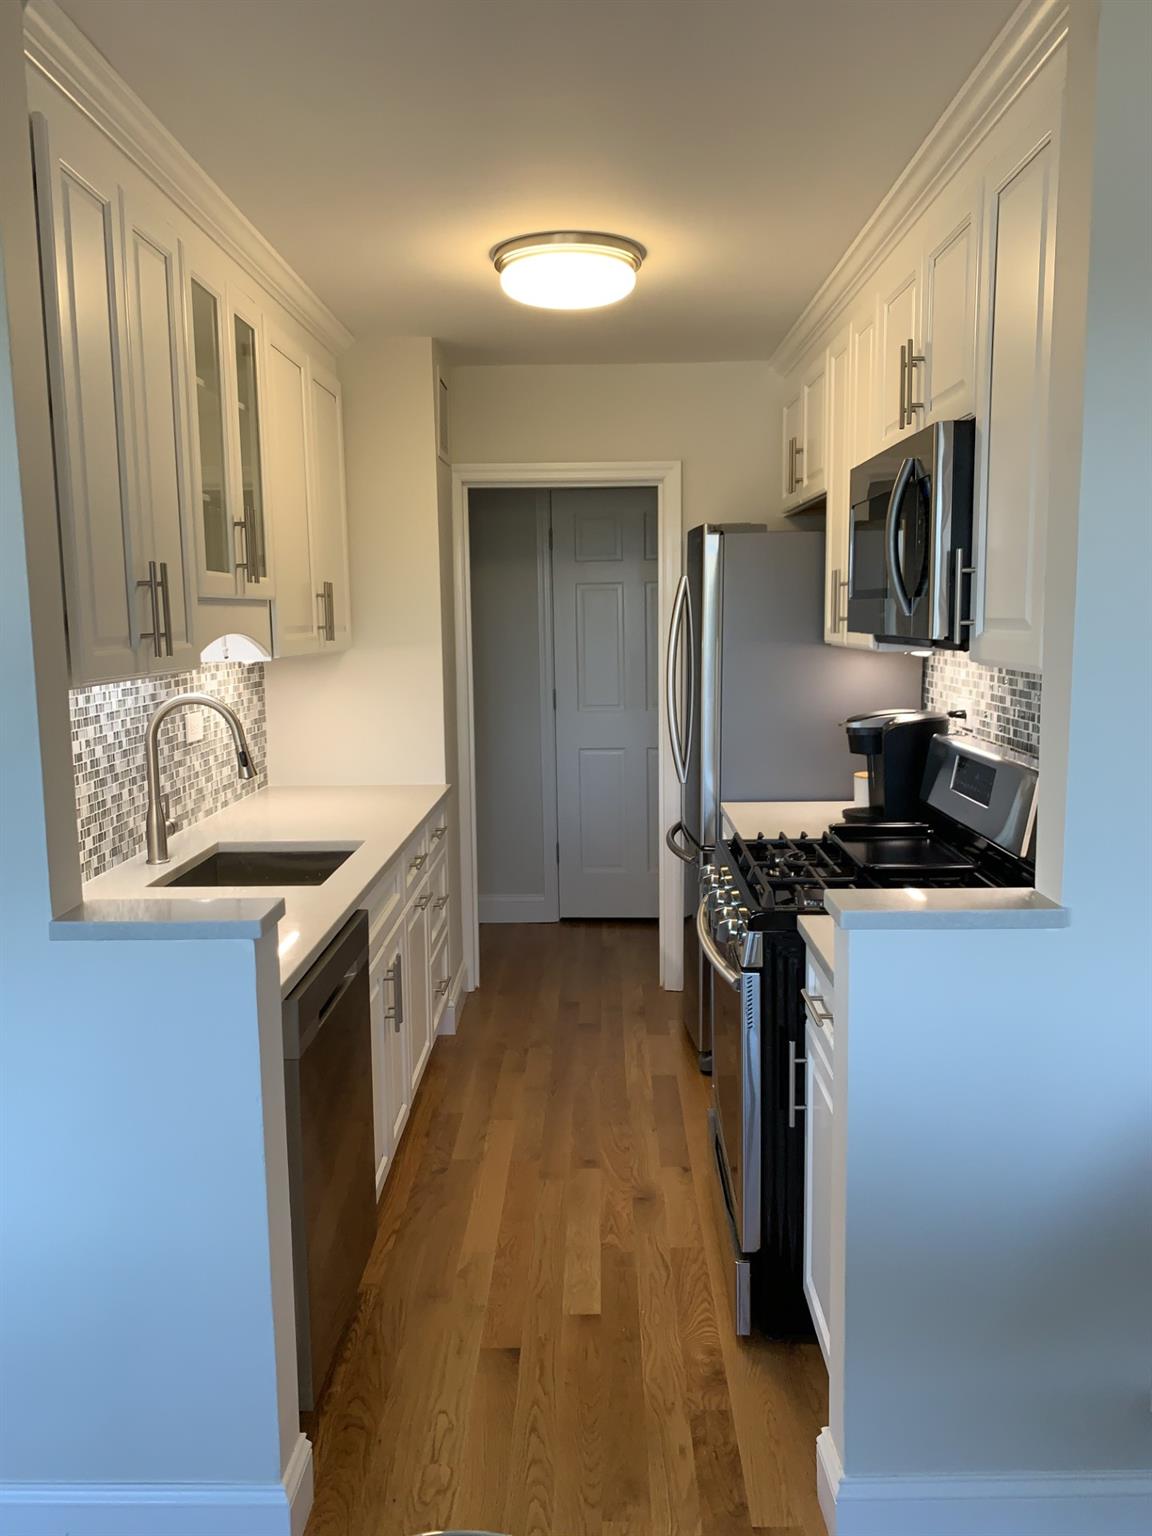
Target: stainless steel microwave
{"x":910,"y":551}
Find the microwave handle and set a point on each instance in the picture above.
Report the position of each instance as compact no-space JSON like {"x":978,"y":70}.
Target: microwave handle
{"x":891,"y":529}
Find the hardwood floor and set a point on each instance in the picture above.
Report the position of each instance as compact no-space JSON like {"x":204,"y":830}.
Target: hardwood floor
{"x":541,"y":1343}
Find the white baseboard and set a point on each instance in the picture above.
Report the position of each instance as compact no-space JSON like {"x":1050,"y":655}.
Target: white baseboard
{"x":454,"y":1005}
{"x":1044,"y":1504}
{"x":163,"y":1509}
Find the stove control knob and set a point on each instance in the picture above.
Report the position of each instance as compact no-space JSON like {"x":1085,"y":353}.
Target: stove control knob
{"x":730,"y":929}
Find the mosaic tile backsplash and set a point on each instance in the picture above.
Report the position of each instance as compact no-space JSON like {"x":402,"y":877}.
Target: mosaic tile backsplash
{"x":108,"y":725}
{"x":1003,"y":705}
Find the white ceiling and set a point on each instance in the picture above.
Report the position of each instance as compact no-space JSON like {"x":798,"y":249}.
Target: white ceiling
{"x":383,"y":146}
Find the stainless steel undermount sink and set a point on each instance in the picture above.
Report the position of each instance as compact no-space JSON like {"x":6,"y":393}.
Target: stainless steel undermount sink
{"x":260,"y":866}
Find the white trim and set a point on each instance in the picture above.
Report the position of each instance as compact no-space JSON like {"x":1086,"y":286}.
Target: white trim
{"x":1012,"y":1504}
{"x":451,"y":1013}
{"x":56,"y":47}
{"x":164,"y":1509}
{"x":517,"y":909}
{"x":665,"y":475}
{"x":1032,"y":33}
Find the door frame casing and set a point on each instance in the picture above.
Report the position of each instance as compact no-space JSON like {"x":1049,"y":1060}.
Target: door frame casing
{"x":666,"y":477}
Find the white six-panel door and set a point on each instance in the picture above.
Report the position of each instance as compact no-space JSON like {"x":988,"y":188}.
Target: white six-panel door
{"x":606,"y":628}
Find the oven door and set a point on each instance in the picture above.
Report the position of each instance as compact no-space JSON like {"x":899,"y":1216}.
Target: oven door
{"x":736,"y":1073}
{"x":899,"y":541}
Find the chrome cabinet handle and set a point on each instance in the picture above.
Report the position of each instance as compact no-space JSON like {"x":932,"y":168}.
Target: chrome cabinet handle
{"x":835,"y":624}
{"x":959,"y":571}
{"x":816,"y":1008}
{"x":440,"y":903}
{"x":395,"y":975}
{"x":794,"y":1061}
{"x":241,"y":523}
{"x":330,"y":610}
{"x":797,"y":453}
{"x":914,"y":357}
{"x":903,"y":387}
{"x":166,"y":605}
{"x":153,"y":634}
{"x":438,"y":833}
{"x":322,"y":621}
{"x":418,"y":862}
{"x":421,"y":902}
{"x":442,"y":986}
{"x":671,"y":696}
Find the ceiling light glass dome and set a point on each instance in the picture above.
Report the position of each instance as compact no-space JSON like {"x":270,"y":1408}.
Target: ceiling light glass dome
{"x":568,"y":269}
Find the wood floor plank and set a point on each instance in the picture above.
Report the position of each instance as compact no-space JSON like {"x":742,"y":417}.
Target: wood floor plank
{"x":541,"y":1344}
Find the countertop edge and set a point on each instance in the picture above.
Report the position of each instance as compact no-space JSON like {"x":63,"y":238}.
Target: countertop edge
{"x":814,"y":933}
{"x":898,"y":909}
{"x":171,"y":919}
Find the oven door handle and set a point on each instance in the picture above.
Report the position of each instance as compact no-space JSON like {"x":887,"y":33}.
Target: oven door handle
{"x":727,"y":972}
{"x":891,"y":532}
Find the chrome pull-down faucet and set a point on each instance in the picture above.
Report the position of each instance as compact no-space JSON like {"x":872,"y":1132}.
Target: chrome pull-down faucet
{"x":156,"y":827}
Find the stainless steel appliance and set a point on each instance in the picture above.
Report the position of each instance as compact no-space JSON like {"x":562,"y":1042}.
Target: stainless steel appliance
{"x":895,"y":743}
{"x":974,"y":828}
{"x":910,"y":554}
{"x":755,"y":698}
{"x":331,"y":1165}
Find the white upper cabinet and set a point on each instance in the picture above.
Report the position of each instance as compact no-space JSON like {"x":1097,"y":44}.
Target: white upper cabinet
{"x":175,"y":523}
{"x":329,"y":518}
{"x":804,"y":428}
{"x":111,"y":265}
{"x":1015,"y":348}
{"x":951,"y":264}
{"x":306,"y":483}
{"x":901,"y":359}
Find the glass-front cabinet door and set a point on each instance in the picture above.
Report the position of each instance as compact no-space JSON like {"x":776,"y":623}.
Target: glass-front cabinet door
{"x":250,"y":525}
{"x":228,"y":468}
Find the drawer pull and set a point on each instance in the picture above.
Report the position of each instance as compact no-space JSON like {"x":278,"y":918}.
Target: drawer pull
{"x":442,"y":987}
{"x":816,"y":1008}
{"x":438,"y":833}
{"x":440,"y":903}
{"x":418,"y":862}
{"x":421,"y":902}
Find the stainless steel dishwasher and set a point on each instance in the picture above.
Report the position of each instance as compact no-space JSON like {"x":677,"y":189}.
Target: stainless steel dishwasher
{"x":331,"y":1171}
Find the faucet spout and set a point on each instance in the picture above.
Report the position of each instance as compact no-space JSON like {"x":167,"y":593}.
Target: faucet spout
{"x":156,"y":825}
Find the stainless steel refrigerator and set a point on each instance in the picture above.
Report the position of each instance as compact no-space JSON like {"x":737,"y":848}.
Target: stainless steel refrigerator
{"x":756,"y":699}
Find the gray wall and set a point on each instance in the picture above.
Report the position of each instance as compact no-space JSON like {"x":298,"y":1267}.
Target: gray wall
{"x":506,"y":669}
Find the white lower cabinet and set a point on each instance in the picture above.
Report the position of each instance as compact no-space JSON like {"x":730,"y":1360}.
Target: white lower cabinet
{"x":391,"y":1085}
{"x":818,"y":1054}
{"x":418,"y":1009}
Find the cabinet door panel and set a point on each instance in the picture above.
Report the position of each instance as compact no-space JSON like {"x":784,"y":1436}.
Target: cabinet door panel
{"x":329,"y":514}
{"x":251,"y":513}
{"x":295,"y":608}
{"x":213,"y":496}
{"x":813,"y":457}
{"x":838,"y":469}
{"x":950,"y":321}
{"x":78,"y":213}
{"x":899,"y":323}
{"x":418,"y":1012}
{"x":818,"y":1190}
{"x":864,"y":433}
{"x":157,"y":371}
{"x":1021,"y":215}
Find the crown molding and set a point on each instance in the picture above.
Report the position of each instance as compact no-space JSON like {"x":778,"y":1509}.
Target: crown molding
{"x":1032,"y":34}
{"x":57,"y":48}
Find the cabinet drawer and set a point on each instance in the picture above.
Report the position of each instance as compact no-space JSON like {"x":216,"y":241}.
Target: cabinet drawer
{"x":383,"y":903}
{"x":415,"y":858}
{"x":819,"y":1002}
{"x":439,"y":978}
{"x":441,"y":898}
{"x":437,"y":830}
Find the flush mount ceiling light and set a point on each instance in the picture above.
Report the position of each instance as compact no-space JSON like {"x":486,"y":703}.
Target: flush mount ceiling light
{"x":568,"y":269}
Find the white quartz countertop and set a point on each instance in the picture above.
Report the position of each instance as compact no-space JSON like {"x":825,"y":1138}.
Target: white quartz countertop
{"x":819,"y":933}
{"x":792,"y":817}
{"x":374,"y":821}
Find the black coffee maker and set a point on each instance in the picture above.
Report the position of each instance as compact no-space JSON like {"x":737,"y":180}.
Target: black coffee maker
{"x":895,"y":742}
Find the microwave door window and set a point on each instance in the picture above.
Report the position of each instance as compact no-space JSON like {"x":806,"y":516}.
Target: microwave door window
{"x":868,"y":573}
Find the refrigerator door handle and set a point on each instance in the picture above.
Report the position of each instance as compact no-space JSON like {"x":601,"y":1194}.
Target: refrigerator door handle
{"x":690,"y":681}
{"x":672,"y":694}
{"x":671,"y":838}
